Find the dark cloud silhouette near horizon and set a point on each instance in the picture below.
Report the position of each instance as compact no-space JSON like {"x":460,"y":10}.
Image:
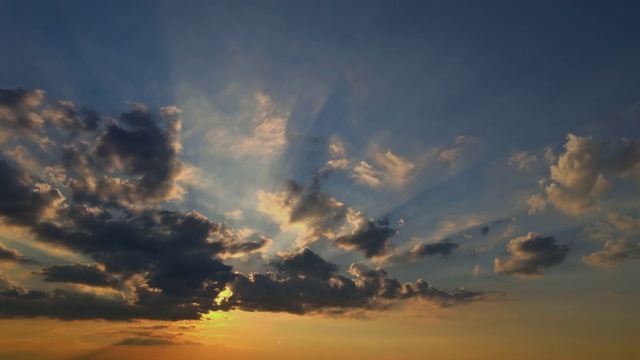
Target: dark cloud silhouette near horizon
{"x":99,"y":188}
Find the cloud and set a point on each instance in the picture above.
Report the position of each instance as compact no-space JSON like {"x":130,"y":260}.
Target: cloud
{"x":450,"y":157}
{"x":366,"y":174}
{"x":84,"y":274}
{"x":578,"y":177}
{"x":613,"y":252}
{"x":100,"y":193}
{"x":453,"y":155}
{"x":266,"y":136}
{"x":19,"y":113}
{"x":21,"y":201}
{"x":624,"y":222}
{"x":479,"y":250}
{"x":337,"y":152}
{"x":18,"y":301}
{"x":443,"y":248}
{"x":8,"y":254}
{"x":141,"y":148}
{"x":370,"y":236}
{"x":173,"y":249}
{"x":531,"y":254}
{"x":476,"y":270}
{"x":241,"y":242}
{"x":389,"y":170}
{"x":536,"y":203}
{"x":304,"y":263}
{"x":578,"y":182}
{"x":316,"y":214}
{"x":302,"y":288}
{"x":144,"y":341}
{"x":522,"y":160}
{"x":313,"y":212}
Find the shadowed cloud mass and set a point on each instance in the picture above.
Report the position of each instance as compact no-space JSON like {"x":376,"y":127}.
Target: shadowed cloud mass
{"x":100,"y":192}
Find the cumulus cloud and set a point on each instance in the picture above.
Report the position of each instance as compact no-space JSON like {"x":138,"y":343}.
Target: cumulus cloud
{"x":372,"y":237}
{"x":578,"y":181}
{"x":579,"y":176}
{"x":100,"y":195}
{"x":531,"y":254}
{"x":613,"y":252}
{"x":141,"y":149}
{"x":314,"y":286}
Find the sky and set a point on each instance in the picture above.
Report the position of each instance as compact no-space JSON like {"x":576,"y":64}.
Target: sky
{"x":312,"y":179}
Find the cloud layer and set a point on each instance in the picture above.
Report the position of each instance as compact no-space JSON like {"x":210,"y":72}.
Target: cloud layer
{"x":530,"y":255}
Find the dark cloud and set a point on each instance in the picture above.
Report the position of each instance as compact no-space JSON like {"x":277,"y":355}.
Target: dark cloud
{"x":17,"y":301}
{"x":143,"y":149}
{"x":302,"y":288}
{"x":372,"y":237}
{"x":165,"y":264}
{"x":173,"y":248}
{"x":85,"y":274}
{"x":531,"y":254}
{"x":444,"y":248}
{"x":484,"y":230}
{"x":8,"y":254}
{"x":20,"y":201}
{"x":304,"y":263}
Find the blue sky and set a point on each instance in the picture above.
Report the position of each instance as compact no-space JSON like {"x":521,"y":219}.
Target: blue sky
{"x":485,"y":144}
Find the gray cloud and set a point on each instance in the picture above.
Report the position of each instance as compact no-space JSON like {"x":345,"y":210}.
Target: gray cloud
{"x":84,"y":274}
{"x":323,"y":216}
{"x":21,"y":202}
{"x":160,"y":263}
{"x":8,"y":254}
{"x":531,"y":254}
{"x":443,"y":248}
{"x":613,"y":252}
{"x":370,"y":236}
{"x":304,"y":263}
{"x":314,"y":288}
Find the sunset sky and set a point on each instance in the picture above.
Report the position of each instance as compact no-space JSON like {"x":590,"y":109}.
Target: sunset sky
{"x":319,"y":179}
